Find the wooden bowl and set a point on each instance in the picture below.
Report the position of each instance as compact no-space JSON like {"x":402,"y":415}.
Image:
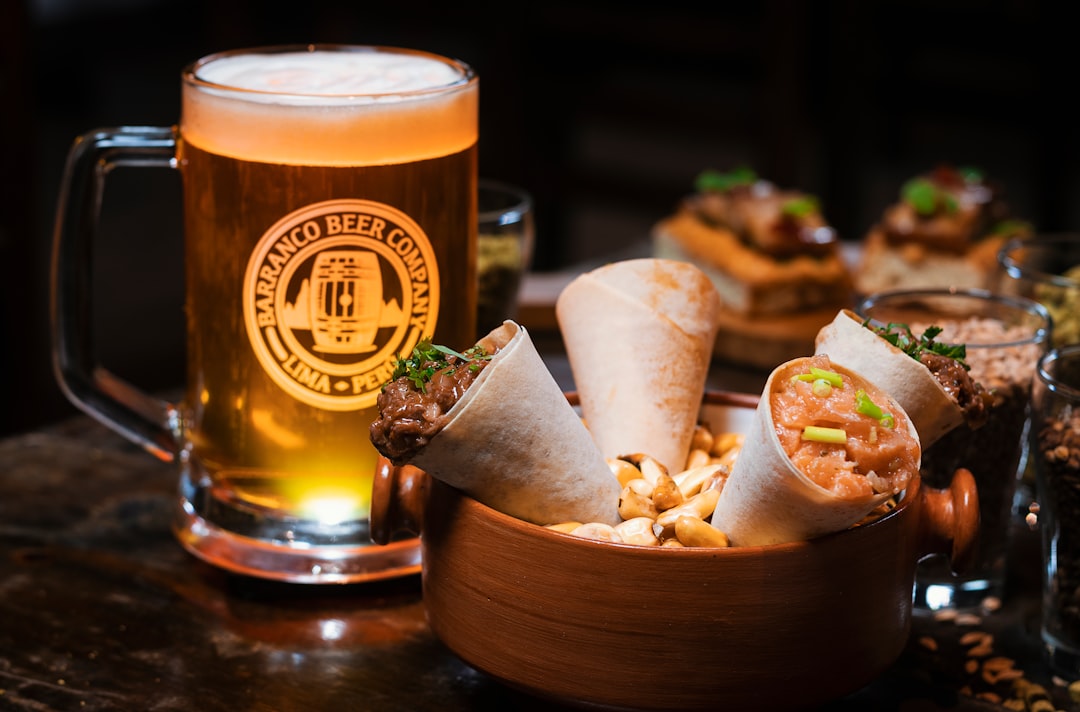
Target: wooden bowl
{"x":613,"y":626}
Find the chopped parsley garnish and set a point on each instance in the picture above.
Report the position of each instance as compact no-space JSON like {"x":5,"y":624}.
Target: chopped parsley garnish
{"x":716,"y":181}
{"x":900,"y":336}
{"x":926,"y":197}
{"x":970,"y":174}
{"x":800,"y":207}
{"x":1012,"y":228}
{"x":427,"y":359}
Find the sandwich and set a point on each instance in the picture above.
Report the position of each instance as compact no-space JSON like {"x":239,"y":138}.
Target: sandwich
{"x":945,"y":230}
{"x":773,"y":257}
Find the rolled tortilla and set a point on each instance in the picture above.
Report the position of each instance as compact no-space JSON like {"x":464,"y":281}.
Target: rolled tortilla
{"x":768,"y":499}
{"x":639,"y":336}
{"x":514,"y":443}
{"x":847,"y":342}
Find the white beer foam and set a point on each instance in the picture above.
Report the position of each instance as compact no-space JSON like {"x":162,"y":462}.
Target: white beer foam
{"x":320,"y":77}
{"x":331,"y":107}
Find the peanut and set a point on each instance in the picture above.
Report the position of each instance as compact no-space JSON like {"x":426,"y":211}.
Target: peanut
{"x":651,"y":469}
{"x":652,"y":501}
{"x":623,"y":470}
{"x":598,"y":531}
{"x":666,"y":493}
{"x":697,"y":458}
{"x":692,"y":531}
{"x":700,"y":505}
{"x":637,"y":531}
{"x":726,"y":442}
{"x":692,"y":480}
{"x":641,"y":486}
{"x":702,"y":439}
{"x":633,"y":505}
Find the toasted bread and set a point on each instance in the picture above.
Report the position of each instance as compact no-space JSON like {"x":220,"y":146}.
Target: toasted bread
{"x":886,"y":266}
{"x":751,"y":283}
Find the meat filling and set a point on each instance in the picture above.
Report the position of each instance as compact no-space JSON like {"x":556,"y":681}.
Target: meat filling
{"x":945,"y":363}
{"x":781,"y":224}
{"x":957,"y":382}
{"x":411,"y":415}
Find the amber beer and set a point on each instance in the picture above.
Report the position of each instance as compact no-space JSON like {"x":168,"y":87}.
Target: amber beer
{"x":330,"y":224}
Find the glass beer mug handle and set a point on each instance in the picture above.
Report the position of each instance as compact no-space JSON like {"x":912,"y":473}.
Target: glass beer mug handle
{"x":150,"y":422}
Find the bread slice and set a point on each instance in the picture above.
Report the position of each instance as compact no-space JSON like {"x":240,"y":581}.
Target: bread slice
{"x":885,"y":266}
{"x":751,"y":283}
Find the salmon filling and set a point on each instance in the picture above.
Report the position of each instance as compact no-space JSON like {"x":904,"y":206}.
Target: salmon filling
{"x":844,"y":435}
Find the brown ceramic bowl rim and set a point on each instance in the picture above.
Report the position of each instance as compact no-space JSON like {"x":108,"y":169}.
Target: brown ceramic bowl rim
{"x":503,"y":520}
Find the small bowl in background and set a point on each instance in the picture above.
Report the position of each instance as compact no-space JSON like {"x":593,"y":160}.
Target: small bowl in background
{"x":503,"y":252}
{"x":1046,"y":269}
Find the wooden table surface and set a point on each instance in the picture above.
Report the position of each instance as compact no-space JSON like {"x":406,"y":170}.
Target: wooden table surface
{"x":101,"y":609}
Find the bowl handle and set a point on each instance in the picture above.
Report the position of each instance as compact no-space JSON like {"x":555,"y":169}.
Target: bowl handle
{"x":398,"y":494}
{"x":950,"y":520}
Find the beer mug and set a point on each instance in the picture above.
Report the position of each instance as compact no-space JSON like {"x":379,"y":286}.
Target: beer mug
{"x":330,"y":220}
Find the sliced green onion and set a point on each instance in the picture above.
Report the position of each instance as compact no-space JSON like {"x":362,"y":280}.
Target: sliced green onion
{"x":864,"y":405}
{"x":821,"y":387}
{"x":819,"y":434}
{"x":921,"y":195}
{"x":815,"y":373}
{"x":722,"y":182}
{"x":831,"y":376}
{"x":800,"y":207}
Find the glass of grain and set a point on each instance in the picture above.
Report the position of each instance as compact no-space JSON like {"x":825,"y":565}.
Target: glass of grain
{"x":1004,"y":337}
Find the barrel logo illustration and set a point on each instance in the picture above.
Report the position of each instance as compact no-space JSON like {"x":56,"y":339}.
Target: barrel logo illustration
{"x":333,"y":293}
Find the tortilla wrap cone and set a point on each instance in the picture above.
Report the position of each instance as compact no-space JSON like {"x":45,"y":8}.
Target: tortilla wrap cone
{"x":768,"y":500}
{"x":848,"y":343}
{"x":639,"y":336}
{"x":514,"y":443}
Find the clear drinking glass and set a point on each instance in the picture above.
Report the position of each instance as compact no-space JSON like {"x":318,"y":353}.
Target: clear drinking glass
{"x":1004,"y":338}
{"x":329,"y":225}
{"x":1046,"y":269}
{"x":504,"y":248}
{"x":1055,"y":455}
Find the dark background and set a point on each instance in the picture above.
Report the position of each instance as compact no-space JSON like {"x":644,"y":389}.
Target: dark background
{"x":605,"y":111}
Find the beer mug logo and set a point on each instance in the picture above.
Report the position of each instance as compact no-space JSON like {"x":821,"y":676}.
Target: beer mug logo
{"x":344,"y":314}
{"x":333,"y":293}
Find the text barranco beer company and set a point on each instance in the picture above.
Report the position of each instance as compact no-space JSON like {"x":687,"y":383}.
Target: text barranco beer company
{"x":333,"y":292}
